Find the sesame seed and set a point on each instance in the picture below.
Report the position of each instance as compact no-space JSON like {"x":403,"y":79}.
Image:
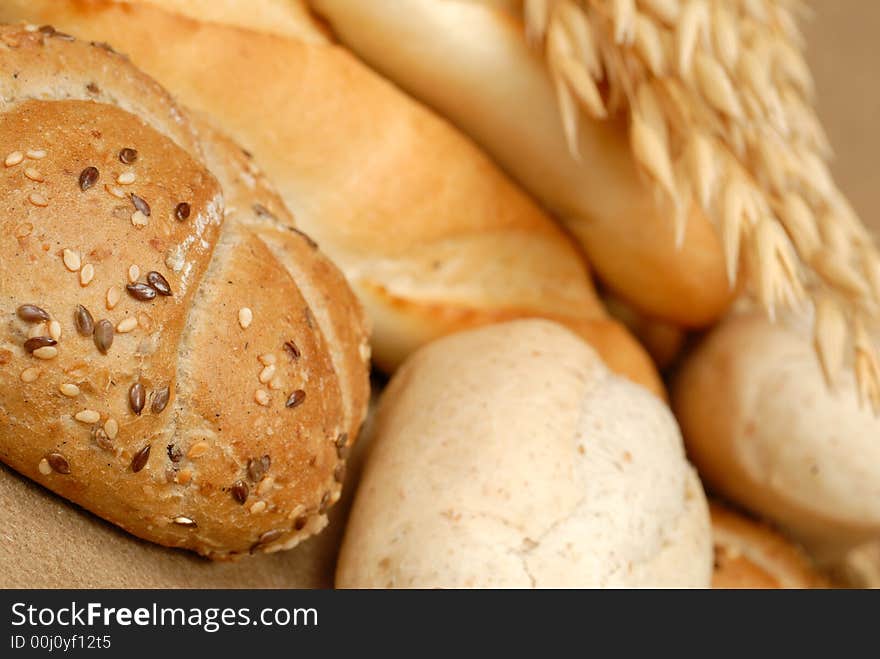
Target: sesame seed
{"x":83,"y":321}
{"x":265,"y":485}
{"x":137,"y":397}
{"x":139,"y":461}
{"x":126,"y":325}
{"x":37,"y":330}
{"x":268,"y":359}
{"x":69,"y":390}
{"x":140,"y":204}
{"x":104,"y":335}
{"x":262,"y":397}
{"x":113,"y":296}
{"x":139,"y":220}
{"x":119,"y":193}
{"x":34,"y":174}
{"x":126,"y":178}
{"x":72,"y":260}
{"x":180,"y":520}
{"x":55,"y":330}
{"x":29,"y":375}
{"x":198,"y":450}
{"x":291,"y":349}
{"x":182,"y":211}
{"x":38,"y":342}
{"x":295,"y":399}
{"x":245,"y":317}
{"x":36,"y":154}
{"x":267,"y":373}
{"x":145,"y":321}
{"x":44,"y":468}
{"x":13,"y":159}
{"x":141,"y":292}
{"x":87,"y":416}
{"x":101,"y":439}
{"x":48,"y":352}
{"x":133,"y":273}
{"x":269,"y":536}
{"x":88,"y":177}
{"x":38,"y":200}
{"x":276,"y":384}
{"x":160,"y":400}
{"x":240,"y":491}
{"x":31,"y":313}
{"x":87,"y":274}
{"x":159,"y":283}
{"x":128,"y":156}
{"x":111,"y":427}
{"x":258,"y":507}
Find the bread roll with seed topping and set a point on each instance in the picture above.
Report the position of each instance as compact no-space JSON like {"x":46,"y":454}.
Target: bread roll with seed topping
{"x":765,"y":433}
{"x":509,"y":456}
{"x":177,"y":357}
{"x":471,"y":62}
{"x":431,"y":235}
{"x":749,"y":554}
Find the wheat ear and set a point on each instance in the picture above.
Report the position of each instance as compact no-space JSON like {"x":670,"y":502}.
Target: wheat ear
{"x":721,"y":115}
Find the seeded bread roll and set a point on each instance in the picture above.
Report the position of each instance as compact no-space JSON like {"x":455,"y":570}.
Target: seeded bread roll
{"x":509,"y":456}
{"x":186,"y":366}
{"x":431,"y":235}
{"x":471,"y":62}
{"x":749,"y":554}
{"x":764,"y":433}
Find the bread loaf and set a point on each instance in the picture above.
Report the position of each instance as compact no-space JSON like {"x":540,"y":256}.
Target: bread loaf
{"x":509,"y":456}
{"x":430,"y":234}
{"x":176,"y":357}
{"x":765,"y":433}
{"x":751,"y":555}
{"x":471,"y":62}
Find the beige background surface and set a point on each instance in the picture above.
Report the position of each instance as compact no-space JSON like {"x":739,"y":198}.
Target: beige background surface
{"x":843,"y":47}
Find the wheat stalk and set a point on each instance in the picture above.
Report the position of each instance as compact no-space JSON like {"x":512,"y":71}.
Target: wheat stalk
{"x":719,"y":98}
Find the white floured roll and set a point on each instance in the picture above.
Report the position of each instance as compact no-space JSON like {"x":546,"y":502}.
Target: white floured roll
{"x":509,"y":456}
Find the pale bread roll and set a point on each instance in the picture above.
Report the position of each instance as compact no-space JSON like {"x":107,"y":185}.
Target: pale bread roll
{"x":430,"y":234}
{"x":471,"y":62}
{"x":765,"y":432}
{"x":749,"y":554}
{"x":509,"y":456}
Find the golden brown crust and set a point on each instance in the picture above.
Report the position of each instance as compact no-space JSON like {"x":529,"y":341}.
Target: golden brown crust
{"x":165,"y":433}
{"x":431,"y":235}
{"x":749,"y":554}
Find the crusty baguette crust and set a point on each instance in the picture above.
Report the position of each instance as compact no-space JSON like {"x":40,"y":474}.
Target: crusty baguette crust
{"x":197,"y":363}
{"x":470,"y":61}
{"x":750,"y":554}
{"x":431,"y":235}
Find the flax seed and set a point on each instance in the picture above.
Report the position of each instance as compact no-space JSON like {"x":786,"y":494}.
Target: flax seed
{"x":104,"y":335}
{"x":88,"y":177}
{"x":31,"y":313}
{"x":137,"y":397}
{"x":83,"y":321}
{"x":140,"y":459}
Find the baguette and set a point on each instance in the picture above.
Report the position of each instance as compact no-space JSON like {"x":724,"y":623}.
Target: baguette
{"x":430,"y":234}
{"x":471,"y":62}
